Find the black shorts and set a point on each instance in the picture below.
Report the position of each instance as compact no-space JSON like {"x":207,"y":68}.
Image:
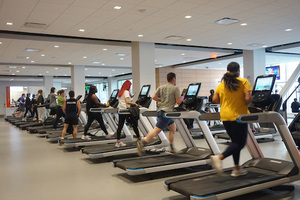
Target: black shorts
{"x":71,"y":120}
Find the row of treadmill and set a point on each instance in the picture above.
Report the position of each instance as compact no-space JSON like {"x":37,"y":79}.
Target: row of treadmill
{"x":205,"y":185}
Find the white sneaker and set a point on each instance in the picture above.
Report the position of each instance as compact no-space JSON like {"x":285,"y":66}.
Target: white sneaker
{"x":120,"y":144}
{"x":23,"y":120}
{"x":109,"y":135}
{"x":34,"y":119}
{"x":86,"y":137}
{"x":240,"y":172}
{"x":217,"y":163}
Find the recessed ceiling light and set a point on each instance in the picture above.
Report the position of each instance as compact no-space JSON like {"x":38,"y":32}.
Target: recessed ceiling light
{"x":183,"y":54}
{"x":69,"y":63}
{"x":0,"y":42}
{"x":264,"y":46}
{"x":12,"y":74}
{"x":9,"y":23}
{"x":23,"y":67}
{"x":32,"y":50}
{"x":229,"y":43}
{"x":81,"y":30}
{"x":103,"y":64}
{"x":121,"y":54}
{"x":288,"y":29}
{"x":104,"y":49}
{"x":32,"y":61}
{"x":42,"y":54}
{"x":47,"y":71}
{"x":27,"y":58}
{"x":99,"y":73}
{"x":17,"y":71}
{"x":56,"y":46}
{"x":121,"y":58}
{"x":85,"y":69}
{"x":11,"y":79}
{"x":244,"y":24}
{"x":12,"y":67}
{"x":188,"y":17}
{"x":140,"y":35}
{"x":113,"y":70}
{"x":123,"y":73}
{"x":84,"y":57}
{"x":117,"y":7}
{"x":56,"y":68}
{"x":188,"y":40}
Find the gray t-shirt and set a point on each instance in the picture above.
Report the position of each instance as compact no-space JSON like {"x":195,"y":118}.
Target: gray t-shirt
{"x":167,"y":94}
{"x":52,"y":100}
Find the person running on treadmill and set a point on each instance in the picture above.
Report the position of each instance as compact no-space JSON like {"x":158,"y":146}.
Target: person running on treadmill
{"x":52,"y":101}
{"x":34,"y":108}
{"x":27,"y":106}
{"x":60,"y":103}
{"x":234,"y":95}
{"x":124,"y":104}
{"x":72,"y":110}
{"x":94,"y":102}
{"x":41,"y":110}
{"x":167,"y":96}
{"x":22,"y":104}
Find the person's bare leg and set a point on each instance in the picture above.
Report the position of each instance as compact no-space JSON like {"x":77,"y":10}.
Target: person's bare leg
{"x":172,"y":129}
{"x":63,"y":133}
{"x":74,"y":131}
{"x":152,"y":134}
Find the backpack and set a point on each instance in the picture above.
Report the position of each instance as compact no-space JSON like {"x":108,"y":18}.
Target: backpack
{"x":134,"y":114}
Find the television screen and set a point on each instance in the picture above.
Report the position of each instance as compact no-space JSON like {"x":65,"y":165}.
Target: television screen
{"x":87,"y":88}
{"x":263,"y":83}
{"x":192,"y":90}
{"x":274,"y":70}
{"x":114,"y":93}
{"x":144,"y":90}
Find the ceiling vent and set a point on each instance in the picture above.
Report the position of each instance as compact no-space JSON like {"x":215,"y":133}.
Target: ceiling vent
{"x":35,"y":25}
{"x":226,"y":21}
{"x":174,"y":37}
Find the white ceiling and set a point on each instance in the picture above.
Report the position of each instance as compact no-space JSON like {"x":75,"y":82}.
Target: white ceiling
{"x":266,"y":21}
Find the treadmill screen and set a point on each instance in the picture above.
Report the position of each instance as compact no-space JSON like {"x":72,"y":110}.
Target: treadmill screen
{"x":192,"y":90}
{"x":263,"y":83}
{"x":114,"y":94}
{"x":144,"y":90}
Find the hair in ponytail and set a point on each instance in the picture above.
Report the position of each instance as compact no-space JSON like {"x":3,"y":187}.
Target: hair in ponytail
{"x":230,"y":77}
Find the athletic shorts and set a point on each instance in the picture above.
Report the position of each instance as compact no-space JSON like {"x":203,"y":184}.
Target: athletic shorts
{"x":71,"y":120}
{"x":162,"y":121}
{"x":22,"y":108}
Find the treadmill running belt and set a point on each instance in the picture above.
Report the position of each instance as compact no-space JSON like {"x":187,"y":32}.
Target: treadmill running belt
{"x":201,"y":186}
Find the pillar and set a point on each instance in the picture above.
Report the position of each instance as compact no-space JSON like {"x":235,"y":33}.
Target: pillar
{"x":48,"y":84}
{"x":143,"y":66}
{"x":254,"y":64}
{"x":78,"y":80}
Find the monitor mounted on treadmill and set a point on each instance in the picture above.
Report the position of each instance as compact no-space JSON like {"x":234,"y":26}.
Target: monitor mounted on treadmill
{"x":143,"y":99}
{"x":262,"y":91}
{"x":191,"y":94}
{"x":113,"y":99}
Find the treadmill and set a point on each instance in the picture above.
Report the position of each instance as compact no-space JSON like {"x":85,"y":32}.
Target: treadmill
{"x":187,"y":157}
{"x":263,"y":172}
{"x":146,"y":123}
{"x":110,"y":118}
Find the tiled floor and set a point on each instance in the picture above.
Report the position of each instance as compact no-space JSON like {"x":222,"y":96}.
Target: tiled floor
{"x":34,"y":169}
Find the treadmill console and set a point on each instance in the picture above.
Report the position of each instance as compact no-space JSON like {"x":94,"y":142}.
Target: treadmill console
{"x":191,"y":99}
{"x":143,"y":99}
{"x":261,"y":93}
{"x":113,"y":99}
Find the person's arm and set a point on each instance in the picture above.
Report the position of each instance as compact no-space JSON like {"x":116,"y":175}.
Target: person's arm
{"x":64,"y":107}
{"x":78,"y":108}
{"x":178,"y":100}
{"x":127,"y":100}
{"x":95,"y":99}
{"x":155,"y":97}
{"x":247,"y":96}
{"x":216,"y":98}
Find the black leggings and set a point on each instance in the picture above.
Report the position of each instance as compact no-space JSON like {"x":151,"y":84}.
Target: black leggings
{"x":59,"y":114}
{"x":238,"y":134}
{"x":134,"y":123}
{"x":35,"y":112}
{"x":28,"y":108}
{"x":91,"y":118}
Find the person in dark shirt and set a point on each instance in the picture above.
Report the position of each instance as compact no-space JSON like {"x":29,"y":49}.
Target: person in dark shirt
{"x":34,"y":108}
{"x":27,"y":106}
{"x":22,"y":103}
{"x":72,"y":111}
{"x":295,"y":106}
{"x":41,"y":110}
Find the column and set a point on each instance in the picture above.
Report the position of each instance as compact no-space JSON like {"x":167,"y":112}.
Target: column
{"x":78,"y":80}
{"x":143,"y":66}
{"x":112,"y":85}
{"x":254,"y":64}
{"x":48,"y":84}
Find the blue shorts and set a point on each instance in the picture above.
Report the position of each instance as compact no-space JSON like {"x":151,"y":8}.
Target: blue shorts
{"x":162,"y":121}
